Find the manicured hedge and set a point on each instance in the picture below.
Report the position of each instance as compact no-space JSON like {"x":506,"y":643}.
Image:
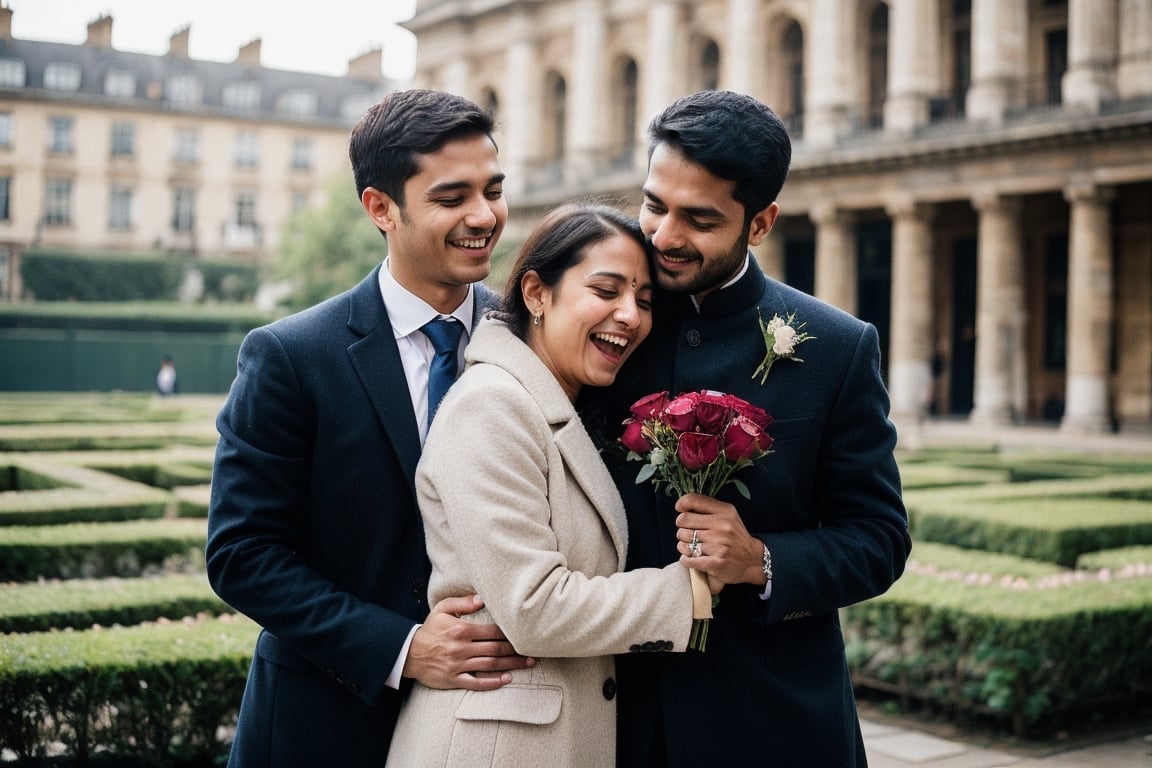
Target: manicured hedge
{"x":94,"y":550}
{"x":988,"y":637}
{"x":151,"y":694}
{"x":41,"y":606}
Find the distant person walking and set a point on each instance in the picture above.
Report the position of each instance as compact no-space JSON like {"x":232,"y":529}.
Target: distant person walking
{"x":166,"y":376}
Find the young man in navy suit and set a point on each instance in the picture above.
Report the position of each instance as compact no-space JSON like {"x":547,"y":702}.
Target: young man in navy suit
{"x":825,"y":526}
{"x":313,"y":527}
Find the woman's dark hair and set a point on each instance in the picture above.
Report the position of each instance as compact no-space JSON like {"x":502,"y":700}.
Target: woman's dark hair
{"x":557,"y":243}
{"x":734,"y":137}
{"x":385,"y":143}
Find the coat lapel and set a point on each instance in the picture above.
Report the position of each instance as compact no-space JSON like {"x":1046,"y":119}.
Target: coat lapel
{"x":376,"y":359}
{"x":587,"y":467}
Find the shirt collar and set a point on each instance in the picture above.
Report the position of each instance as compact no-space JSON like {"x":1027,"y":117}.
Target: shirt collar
{"x":733,"y":281}
{"x":408,"y":312}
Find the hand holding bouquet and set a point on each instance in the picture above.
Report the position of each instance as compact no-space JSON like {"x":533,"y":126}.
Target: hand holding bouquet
{"x":695,"y":443}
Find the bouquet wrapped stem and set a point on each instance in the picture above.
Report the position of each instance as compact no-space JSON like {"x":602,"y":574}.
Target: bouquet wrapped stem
{"x":695,"y":443}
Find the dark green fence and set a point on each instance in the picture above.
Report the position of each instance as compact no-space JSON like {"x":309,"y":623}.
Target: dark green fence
{"x":84,"y":360}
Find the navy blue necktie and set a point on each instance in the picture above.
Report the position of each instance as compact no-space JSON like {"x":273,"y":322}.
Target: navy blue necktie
{"x":445,"y":337}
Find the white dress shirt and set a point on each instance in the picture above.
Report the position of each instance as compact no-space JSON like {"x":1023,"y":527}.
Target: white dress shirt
{"x":408,"y":313}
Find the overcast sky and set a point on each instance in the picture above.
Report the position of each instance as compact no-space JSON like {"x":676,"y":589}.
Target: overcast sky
{"x":318,"y":36}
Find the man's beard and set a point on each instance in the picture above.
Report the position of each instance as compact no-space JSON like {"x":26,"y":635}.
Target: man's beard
{"x":712,"y":273}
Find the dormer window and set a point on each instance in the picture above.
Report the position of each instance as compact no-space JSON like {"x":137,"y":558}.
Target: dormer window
{"x":121,"y":84}
{"x":60,"y":76}
{"x":299,"y":102}
{"x":11,"y":73}
{"x":242,"y":96}
{"x":184,"y":89}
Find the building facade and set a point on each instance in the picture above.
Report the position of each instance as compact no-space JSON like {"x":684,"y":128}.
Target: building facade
{"x":118,"y":152}
{"x":972,"y":176}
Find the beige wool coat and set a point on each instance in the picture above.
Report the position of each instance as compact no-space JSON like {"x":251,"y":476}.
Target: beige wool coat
{"x":519,"y":508}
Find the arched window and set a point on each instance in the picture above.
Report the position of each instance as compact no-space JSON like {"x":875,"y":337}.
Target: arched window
{"x":792,"y":66}
{"x":625,"y":103}
{"x":877,"y":72}
{"x":555,"y":116}
{"x":708,"y":66}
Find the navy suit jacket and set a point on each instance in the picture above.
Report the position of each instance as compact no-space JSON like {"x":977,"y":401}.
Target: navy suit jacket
{"x":773,"y":686}
{"x":314,"y":531}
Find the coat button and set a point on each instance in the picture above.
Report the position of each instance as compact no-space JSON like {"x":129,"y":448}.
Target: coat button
{"x":609,"y":689}
{"x":693,"y":338}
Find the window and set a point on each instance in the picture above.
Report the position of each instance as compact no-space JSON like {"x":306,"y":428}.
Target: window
{"x":246,"y":210}
{"x":7,"y":129}
{"x":708,"y":66}
{"x":243,"y":96}
{"x":11,"y":73}
{"x":58,"y":202}
{"x":299,"y":201}
{"x":247,"y":150}
{"x":353,"y":107}
{"x":120,"y":84}
{"x":187,"y":148}
{"x":302,"y":154}
{"x":60,"y":135}
{"x":123,"y":139}
{"x":301,"y":103}
{"x":183,"y":209}
{"x":5,"y":198}
{"x":120,"y":207}
{"x":184,"y":89}
{"x":62,"y":77}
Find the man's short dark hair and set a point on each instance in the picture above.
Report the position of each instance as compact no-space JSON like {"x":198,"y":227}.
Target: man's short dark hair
{"x":386,"y":142}
{"x":734,"y":137}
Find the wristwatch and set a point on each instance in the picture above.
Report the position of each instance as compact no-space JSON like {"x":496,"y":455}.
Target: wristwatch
{"x":766,"y":564}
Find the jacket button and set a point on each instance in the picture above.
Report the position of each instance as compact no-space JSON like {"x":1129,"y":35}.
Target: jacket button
{"x":693,"y":338}
{"x":609,"y":689}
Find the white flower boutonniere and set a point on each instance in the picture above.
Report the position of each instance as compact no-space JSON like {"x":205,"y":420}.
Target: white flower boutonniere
{"x":781,"y":337}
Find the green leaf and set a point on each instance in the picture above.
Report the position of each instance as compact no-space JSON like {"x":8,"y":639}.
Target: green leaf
{"x":743,"y":489}
{"x":646,"y":472}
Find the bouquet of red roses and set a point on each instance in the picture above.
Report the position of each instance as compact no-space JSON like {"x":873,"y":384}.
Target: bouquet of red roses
{"x":695,"y":443}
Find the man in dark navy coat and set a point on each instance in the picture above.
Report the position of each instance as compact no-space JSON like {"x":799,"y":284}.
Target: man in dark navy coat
{"x":313,"y":526}
{"x":825,"y":526}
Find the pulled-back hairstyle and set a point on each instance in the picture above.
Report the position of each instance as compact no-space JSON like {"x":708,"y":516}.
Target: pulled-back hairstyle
{"x":558,"y":242}
{"x":385,"y":143}
{"x":734,"y":137}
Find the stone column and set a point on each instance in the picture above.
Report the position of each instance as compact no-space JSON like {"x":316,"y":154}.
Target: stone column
{"x":662,"y":72}
{"x":1134,"y":74}
{"x":1000,"y":315}
{"x":1093,"y":39}
{"x":835,"y":256}
{"x":830,"y":96}
{"x":744,"y":47}
{"x":1134,"y":329}
{"x":770,"y":255}
{"x":913,"y":57}
{"x":1090,"y":310}
{"x":999,"y":63}
{"x":911,"y":340}
{"x":521,"y":105}
{"x":589,"y":83}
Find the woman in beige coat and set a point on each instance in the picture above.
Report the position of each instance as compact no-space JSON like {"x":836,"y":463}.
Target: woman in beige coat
{"x":519,"y":508}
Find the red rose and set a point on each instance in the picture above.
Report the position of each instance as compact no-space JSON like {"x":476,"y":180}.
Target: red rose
{"x":680,"y":414}
{"x":633,"y":438}
{"x":744,"y":440}
{"x":712,"y":412}
{"x":697,"y":450}
{"x":649,"y":406}
{"x":753,"y":412}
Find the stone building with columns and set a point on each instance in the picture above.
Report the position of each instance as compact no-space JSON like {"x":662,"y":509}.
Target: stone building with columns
{"x":974,"y":177}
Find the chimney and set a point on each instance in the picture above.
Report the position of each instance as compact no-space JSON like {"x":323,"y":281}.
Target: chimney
{"x":178,"y":43}
{"x":5,"y":22}
{"x":249,"y":54}
{"x":100,"y":32}
{"x":368,"y":66}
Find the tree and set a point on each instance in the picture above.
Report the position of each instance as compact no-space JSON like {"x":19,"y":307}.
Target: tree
{"x":327,"y":250}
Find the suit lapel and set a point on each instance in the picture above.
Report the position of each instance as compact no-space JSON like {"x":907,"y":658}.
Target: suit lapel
{"x":583,"y":461}
{"x":376,"y":359}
